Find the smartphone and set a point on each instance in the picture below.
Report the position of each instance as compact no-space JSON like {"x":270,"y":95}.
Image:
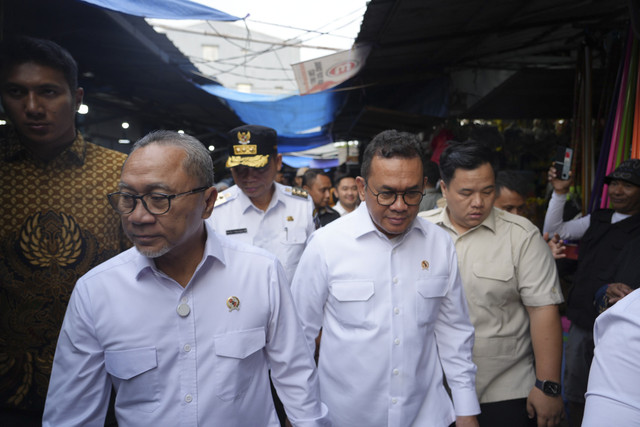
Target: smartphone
{"x":562,"y":162}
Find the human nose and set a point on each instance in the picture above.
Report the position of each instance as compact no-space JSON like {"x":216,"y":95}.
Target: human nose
{"x":477,"y":200}
{"x":32,"y":104}
{"x":140,"y":214}
{"x":399,"y":204}
{"x":614,"y":187}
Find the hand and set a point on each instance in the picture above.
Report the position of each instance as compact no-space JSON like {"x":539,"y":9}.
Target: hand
{"x":549,"y":410}
{"x":467,"y":421}
{"x":617,"y":291}
{"x":560,"y":186}
{"x":558,"y":249}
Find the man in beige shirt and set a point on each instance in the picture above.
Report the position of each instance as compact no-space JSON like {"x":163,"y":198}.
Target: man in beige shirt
{"x":512,"y":289}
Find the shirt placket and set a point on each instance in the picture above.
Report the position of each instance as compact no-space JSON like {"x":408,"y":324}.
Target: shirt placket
{"x":187,"y":359}
{"x":396,"y":339}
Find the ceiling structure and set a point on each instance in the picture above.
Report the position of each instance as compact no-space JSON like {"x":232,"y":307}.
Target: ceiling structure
{"x":430,"y":60}
{"x":496,"y":59}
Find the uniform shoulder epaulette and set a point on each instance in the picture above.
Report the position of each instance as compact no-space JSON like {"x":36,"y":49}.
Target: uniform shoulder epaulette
{"x":517,"y":220}
{"x":296,"y":191}
{"x":223,"y":198}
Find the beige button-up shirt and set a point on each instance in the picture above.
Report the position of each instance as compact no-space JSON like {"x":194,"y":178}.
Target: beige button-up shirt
{"x":505,"y":265}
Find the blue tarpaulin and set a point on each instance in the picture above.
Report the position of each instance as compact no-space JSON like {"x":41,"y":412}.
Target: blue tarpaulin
{"x":299,"y":162}
{"x":301,"y":121}
{"x":165,"y":9}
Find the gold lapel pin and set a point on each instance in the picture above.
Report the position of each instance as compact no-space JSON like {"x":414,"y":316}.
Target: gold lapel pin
{"x":233,"y":303}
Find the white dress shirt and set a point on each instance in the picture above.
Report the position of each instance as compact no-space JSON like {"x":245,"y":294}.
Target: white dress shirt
{"x":341,"y":209}
{"x":282,"y":229}
{"x":393,"y":316}
{"x":184,"y":356}
{"x":612,"y":397}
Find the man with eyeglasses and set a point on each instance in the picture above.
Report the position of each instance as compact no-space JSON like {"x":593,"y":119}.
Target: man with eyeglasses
{"x":512,"y":289}
{"x":185,"y":325}
{"x":384,"y":287}
{"x":258,"y":210}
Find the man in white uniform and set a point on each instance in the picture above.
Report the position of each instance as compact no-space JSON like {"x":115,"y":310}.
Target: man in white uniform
{"x":184,"y":325}
{"x":258,"y":210}
{"x":384,"y":286}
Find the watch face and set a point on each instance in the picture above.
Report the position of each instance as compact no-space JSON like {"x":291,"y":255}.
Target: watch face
{"x":551,"y":388}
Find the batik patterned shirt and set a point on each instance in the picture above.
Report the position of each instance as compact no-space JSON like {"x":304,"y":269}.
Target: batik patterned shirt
{"x":56,"y":224}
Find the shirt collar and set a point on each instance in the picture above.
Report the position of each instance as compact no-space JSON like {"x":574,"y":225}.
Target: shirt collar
{"x":212,"y":250}
{"x":363,"y":224}
{"x":74,"y":154}
{"x":245,"y":201}
{"x":489,"y":222}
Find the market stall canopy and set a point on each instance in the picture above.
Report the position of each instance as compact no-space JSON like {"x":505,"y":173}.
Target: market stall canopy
{"x":165,"y":9}
{"x":301,"y":121}
{"x":464,"y":50}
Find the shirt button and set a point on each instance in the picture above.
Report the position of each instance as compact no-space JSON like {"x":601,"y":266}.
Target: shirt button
{"x":396,"y":341}
{"x":183,"y":310}
{"x":396,"y":372}
{"x":396,"y":310}
{"x":394,"y":400}
{"x":187,"y":348}
{"x":188,"y":398}
{"x":395,"y":280}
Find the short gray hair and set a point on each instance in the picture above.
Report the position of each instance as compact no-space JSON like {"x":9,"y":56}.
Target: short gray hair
{"x":198,"y":161}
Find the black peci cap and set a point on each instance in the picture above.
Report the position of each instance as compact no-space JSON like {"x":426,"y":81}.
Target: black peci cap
{"x":251,"y":145}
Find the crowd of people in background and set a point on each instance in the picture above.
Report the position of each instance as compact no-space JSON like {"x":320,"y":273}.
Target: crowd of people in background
{"x":420,"y":287}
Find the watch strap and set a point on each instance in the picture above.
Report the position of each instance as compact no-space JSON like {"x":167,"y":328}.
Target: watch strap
{"x":544,"y":386}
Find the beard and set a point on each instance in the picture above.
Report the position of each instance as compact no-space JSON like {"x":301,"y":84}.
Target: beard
{"x":151,"y":253}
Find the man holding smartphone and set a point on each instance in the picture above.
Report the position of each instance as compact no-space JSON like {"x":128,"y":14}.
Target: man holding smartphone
{"x":602,"y":236}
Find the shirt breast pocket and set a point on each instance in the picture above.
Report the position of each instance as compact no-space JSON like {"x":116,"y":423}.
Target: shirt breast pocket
{"x":351,"y":302}
{"x":293,"y":235}
{"x":238,"y":359}
{"x":429,"y":296}
{"x":494,"y":284}
{"x":135,"y":376}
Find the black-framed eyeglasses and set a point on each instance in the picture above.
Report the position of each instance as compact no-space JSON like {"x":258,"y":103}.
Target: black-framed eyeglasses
{"x":387,"y":198}
{"x":154,"y":203}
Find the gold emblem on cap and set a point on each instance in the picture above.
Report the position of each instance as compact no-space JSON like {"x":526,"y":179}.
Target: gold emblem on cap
{"x":425,"y":264}
{"x":233,"y":303}
{"x":256,"y":161}
{"x":289,"y":218}
{"x":240,"y":150}
{"x":244,"y":137}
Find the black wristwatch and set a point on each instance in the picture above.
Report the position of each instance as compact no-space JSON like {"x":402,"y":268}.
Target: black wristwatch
{"x":549,"y":388}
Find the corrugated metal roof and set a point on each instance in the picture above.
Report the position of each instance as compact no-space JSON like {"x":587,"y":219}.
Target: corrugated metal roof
{"x":414,"y":41}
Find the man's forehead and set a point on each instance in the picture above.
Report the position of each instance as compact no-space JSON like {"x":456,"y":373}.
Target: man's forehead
{"x":18,"y":72}
{"x":460,"y":172}
{"x":347,"y":182}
